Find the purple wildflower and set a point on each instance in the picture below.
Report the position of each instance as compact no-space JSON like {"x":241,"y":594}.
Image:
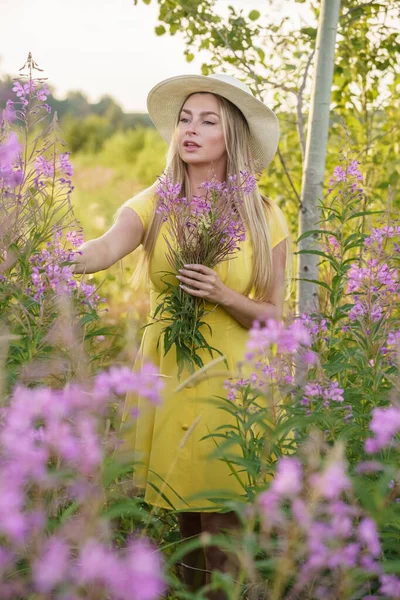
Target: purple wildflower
{"x":339,"y":174}
{"x":9,"y":150}
{"x":385,"y":424}
{"x":8,"y":114}
{"x":390,"y":586}
{"x":368,"y":535}
{"x":121,"y":380}
{"x":288,"y":339}
{"x":200,"y":206}
{"x":65,"y":164}
{"x":18,"y":89}
{"x":49,"y":276}
{"x":51,"y":569}
{"x":136,"y":575}
{"x":333,"y":481}
{"x":288,"y":478}
{"x":96,"y":564}
{"x":145,"y":571}
{"x":42,"y":93}
{"x":44,"y":167}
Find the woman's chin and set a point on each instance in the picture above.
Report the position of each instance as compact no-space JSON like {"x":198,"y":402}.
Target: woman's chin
{"x":190,"y":159}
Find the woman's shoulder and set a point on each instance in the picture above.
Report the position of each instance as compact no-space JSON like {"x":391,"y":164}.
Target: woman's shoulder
{"x":143,"y":203}
{"x":145,"y":196}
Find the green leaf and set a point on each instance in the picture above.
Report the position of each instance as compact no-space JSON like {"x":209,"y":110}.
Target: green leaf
{"x":325,"y":285}
{"x":310,"y":31}
{"x":160,"y":30}
{"x":254,"y":15}
{"x":88,"y":318}
{"x":189,"y":57}
{"x":114,"y":469}
{"x":68,"y":512}
{"x":125,"y":507}
{"x":316,"y":252}
{"x":310,"y":232}
{"x":260,"y":53}
{"x":365,"y":212}
{"x":101,"y":331}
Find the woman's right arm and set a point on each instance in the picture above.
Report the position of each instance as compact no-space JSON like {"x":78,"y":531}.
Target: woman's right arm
{"x":125,"y":235}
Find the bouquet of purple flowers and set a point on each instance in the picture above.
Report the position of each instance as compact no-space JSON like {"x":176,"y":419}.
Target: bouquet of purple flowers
{"x":205,"y":230}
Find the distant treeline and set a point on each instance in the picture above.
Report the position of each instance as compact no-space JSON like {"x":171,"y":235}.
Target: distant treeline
{"x":85,"y":125}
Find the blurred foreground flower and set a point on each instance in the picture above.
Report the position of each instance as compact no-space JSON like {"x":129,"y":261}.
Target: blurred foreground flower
{"x":52,"y":446}
{"x":316,"y":531}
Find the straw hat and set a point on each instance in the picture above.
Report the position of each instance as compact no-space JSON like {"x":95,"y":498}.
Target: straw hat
{"x":166,"y":99}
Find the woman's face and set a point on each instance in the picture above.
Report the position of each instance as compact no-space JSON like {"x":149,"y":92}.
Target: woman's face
{"x":200,"y":134}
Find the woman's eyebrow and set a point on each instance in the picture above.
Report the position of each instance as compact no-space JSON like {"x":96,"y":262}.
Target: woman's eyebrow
{"x":202,"y":114}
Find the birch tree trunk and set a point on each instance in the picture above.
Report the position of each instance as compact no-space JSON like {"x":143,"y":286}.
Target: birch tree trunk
{"x":314,"y":164}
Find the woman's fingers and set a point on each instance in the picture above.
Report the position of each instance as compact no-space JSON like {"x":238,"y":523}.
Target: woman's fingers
{"x":196,"y":283}
{"x":191,"y":274}
{"x":199,"y":293}
{"x":199,"y":268}
{"x":202,"y":280}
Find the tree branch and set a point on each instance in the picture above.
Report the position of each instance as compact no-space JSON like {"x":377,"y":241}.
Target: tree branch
{"x":289,"y":178}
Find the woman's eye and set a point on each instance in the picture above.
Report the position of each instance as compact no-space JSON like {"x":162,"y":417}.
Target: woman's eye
{"x":183,"y":120}
{"x":209,"y":122}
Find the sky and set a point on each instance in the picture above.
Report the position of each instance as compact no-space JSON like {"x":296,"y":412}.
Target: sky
{"x":103,"y":46}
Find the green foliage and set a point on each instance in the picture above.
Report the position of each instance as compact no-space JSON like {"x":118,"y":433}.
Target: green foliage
{"x":37,"y":317}
{"x":254,"y":15}
{"x":351,"y":350}
{"x":87,"y":135}
{"x":160,"y":30}
{"x":184,"y":331}
{"x":365,"y":89}
{"x":128,"y":162}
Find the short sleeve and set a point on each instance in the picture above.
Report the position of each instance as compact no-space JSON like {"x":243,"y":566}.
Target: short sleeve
{"x":277,"y":223}
{"x":143,"y":204}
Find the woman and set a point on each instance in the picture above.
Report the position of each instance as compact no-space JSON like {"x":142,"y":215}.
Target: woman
{"x":209,"y":122}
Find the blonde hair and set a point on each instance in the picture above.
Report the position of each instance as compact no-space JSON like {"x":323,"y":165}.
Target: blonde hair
{"x":252,"y":210}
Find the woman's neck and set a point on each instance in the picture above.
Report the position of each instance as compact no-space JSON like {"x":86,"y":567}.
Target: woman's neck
{"x":199,"y":173}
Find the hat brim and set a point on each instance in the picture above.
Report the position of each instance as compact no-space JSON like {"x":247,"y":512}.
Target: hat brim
{"x":166,"y":98}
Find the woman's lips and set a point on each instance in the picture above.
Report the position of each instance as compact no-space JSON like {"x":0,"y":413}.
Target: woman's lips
{"x":190,"y":146}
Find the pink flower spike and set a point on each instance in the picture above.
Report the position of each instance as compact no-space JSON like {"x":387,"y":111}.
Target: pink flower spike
{"x":288,"y":478}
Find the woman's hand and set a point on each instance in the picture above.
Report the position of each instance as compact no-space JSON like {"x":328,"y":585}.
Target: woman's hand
{"x":202,"y":282}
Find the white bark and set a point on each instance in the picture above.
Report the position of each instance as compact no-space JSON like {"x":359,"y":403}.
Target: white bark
{"x":314,"y":166}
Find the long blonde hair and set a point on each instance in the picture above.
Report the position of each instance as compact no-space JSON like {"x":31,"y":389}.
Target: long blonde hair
{"x":252,"y":209}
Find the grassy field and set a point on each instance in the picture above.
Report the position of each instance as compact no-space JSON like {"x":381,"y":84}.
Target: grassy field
{"x":99,"y":191}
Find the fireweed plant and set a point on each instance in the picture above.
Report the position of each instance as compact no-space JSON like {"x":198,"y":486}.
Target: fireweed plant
{"x":60,"y":503}
{"x":316,"y":403}
{"x":38,"y":236}
{"x":322,"y":528}
{"x":56,"y":531}
{"x":356,"y":334}
{"x":207,"y":231}
{"x":345,"y":354}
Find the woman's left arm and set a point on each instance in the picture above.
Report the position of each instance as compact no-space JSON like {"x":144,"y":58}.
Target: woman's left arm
{"x":203,"y":282}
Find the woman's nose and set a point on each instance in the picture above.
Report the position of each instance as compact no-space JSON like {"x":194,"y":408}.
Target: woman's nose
{"x":191,"y":128}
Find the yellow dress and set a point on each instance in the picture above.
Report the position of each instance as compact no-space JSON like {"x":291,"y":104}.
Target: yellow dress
{"x":172,"y":461}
